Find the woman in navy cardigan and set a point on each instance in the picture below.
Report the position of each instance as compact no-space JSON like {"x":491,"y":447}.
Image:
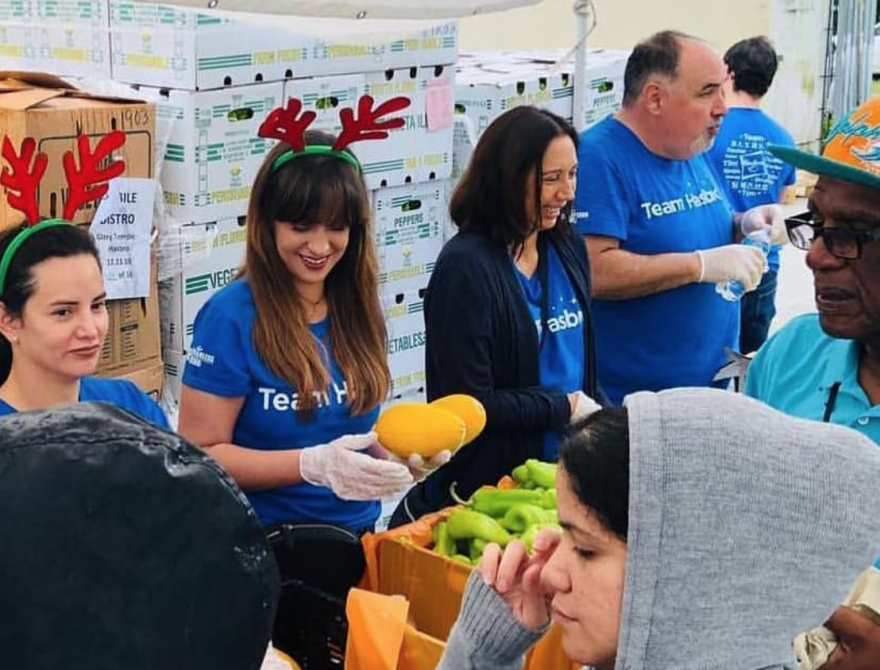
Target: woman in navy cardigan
{"x":507,"y":309}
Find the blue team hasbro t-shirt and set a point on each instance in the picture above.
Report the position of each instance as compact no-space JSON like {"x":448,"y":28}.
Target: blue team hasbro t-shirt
{"x":224,"y":362}
{"x":119,"y":392}
{"x":749,"y":174}
{"x":561,"y":356}
{"x":654,"y":205}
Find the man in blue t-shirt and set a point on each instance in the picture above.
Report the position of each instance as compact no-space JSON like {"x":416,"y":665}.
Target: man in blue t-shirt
{"x":749,"y":174}
{"x":659,"y":230}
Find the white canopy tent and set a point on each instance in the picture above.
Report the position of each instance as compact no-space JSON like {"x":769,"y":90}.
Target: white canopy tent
{"x":399,"y":11}
{"x":360,"y":9}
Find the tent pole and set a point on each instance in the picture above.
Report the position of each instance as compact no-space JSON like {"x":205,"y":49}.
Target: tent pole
{"x":581,"y":11}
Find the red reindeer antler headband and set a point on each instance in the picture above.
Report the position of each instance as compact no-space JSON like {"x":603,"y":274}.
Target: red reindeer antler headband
{"x":286,"y":124}
{"x":86,"y":182}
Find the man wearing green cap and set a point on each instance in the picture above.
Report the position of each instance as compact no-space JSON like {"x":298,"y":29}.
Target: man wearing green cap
{"x":826,"y":366}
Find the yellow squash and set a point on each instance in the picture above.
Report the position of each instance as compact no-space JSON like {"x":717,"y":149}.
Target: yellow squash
{"x":418,"y":428}
{"x":469,"y":409}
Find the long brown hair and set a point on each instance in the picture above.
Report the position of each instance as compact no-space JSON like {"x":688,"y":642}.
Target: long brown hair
{"x":309,"y":189}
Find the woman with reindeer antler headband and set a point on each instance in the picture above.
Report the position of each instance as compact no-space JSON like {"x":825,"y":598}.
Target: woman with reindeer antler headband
{"x":288,"y":363}
{"x":53,"y":313}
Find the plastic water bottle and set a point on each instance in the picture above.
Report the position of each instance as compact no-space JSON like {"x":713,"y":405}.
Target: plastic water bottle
{"x":733,"y":289}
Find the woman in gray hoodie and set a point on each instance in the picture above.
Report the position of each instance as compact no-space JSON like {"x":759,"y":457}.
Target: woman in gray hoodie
{"x":702,"y":530}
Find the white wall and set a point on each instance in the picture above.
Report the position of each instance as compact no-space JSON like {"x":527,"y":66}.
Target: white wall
{"x":795,"y":26}
{"x":621,"y":23}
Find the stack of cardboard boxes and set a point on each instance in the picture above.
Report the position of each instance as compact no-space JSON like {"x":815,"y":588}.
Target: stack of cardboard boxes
{"x":488,"y":83}
{"x":64,"y":37}
{"x":215,"y":79}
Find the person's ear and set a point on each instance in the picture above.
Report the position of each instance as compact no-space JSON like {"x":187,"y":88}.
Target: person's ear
{"x":655,"y":94}
{"x":10,"y":324}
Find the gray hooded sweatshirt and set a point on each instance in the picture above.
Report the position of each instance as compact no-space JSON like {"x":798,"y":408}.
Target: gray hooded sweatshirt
{"x":746,"y":527}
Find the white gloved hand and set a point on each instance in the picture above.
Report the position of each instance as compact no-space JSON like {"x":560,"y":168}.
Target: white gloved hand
{"x":768,"y":217}
{"x":583,"y":405}
{"x":732,"y":261}
{"x":352,"y":475}
{"x":421,"y":468}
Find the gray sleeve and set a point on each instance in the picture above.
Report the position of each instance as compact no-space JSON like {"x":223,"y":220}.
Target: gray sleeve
{"x":485,"y":635}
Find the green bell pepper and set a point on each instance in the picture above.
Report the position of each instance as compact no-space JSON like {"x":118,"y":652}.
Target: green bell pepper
{"x":548,"y":499}
{"x":443,"y":544}
{"x":521,"y":517}
{"x":521,"y":474}
{"x":476,"y":549}
{"x":495,"y":502}
{"x":528,"y":537}
{"x":543,"y":474}
{"x":465,"y":524}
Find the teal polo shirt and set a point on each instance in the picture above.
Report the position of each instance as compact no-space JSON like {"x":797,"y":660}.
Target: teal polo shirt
{"x":796,"y":369}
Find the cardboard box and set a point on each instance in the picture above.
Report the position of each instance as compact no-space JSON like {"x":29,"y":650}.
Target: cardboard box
{"x":489,"y":83}
{"x":400,"y":563}
{"x":488,"y":92}
{"x":204,"y":258}
{"x":326,"y":96}
{"x":133,"y":336}
{"x":178,"y":47}
{"x":405,"y":322}
{"x":64,"y":37}
{"x":174,"y":362}
{"x":603,"y":93}
{"x":408,"y":229}
{"x":422,"y":149}
{"x":150,"y":379}
{"x":54,"y":113}
{"x":213,"y":151}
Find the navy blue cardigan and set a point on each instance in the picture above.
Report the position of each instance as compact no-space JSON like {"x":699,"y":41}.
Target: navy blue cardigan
{"x":481,"y":340}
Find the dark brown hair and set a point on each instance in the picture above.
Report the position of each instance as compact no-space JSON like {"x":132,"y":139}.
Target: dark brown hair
{"x":659,"y":54}
{"x":53,"y":242}
{"x":506,"y":163}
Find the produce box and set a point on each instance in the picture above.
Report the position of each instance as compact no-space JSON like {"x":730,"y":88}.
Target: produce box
{"x":54,"y":114}
{"x":400,"y":563}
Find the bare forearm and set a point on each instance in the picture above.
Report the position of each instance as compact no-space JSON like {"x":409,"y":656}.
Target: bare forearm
{"x":622,"y":275}
{"x":257,"y":469}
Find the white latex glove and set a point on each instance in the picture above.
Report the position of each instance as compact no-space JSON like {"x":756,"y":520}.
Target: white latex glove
{"x":350,"y":474}
{"x":769,"y":217}
{"x":732,"y":261}
{"x":583,"y":405}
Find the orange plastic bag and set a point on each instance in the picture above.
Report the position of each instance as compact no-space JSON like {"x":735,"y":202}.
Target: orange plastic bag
{"x":379,"y":637}
{"x":376,"y":625}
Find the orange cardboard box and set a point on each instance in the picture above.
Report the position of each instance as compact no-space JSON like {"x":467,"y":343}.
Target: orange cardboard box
{"x":150,"y":379}
{"x":400,"y":563}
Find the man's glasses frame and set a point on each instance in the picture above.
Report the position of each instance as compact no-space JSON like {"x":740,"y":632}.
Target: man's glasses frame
{"x":846,"y":243}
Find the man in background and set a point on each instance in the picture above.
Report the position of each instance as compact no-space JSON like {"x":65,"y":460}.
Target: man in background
{"x":749,"y":174}
{"x":659,"y":231}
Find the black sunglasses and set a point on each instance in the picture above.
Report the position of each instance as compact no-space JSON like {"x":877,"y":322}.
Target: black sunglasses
{"x":845,"y":243}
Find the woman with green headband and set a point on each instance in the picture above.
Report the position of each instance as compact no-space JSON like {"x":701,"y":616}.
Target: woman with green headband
{"x":53,"y":323}
{"x":288,"y":363}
